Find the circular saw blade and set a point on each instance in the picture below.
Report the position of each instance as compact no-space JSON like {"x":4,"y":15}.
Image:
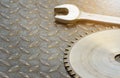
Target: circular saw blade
{"x":95,"y":56}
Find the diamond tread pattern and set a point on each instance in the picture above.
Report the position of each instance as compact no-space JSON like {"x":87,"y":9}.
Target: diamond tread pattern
{"x":31,"y":43}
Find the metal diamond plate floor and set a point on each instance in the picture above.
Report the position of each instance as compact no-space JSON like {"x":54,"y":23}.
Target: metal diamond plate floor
{"x":32,"y":44}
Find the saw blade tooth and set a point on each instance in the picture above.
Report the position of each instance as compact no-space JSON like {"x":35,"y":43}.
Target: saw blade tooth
{"x":81,"y":36}
{"x":76,"y":76}
{"x":68,"y":45}
{"x":66,"y":49}
{"x":72,"y":42}
{"x":66,"y":56}
{"x":66,"y":64}
{"x":72,"y":73}
{"x":65,"y":61}
{"x":69,"y":69}
{"x":65,"y":53}
{"x":86,"y":33}
{"x":76,"y":38}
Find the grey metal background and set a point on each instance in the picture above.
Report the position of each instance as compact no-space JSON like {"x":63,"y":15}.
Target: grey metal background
{"x":32,"y":44}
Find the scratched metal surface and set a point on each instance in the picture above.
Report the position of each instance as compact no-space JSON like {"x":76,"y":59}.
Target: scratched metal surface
{"x":32,"y":44}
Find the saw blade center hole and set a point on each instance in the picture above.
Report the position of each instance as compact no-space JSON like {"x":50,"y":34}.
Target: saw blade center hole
{"x":117,"y":58}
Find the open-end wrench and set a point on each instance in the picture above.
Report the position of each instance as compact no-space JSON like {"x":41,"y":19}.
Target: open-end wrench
{"x":75,"y":14}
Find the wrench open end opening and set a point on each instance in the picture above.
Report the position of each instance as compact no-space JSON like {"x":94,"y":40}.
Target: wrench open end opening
{"x":60,"y":11}
{"x":66,"y":13}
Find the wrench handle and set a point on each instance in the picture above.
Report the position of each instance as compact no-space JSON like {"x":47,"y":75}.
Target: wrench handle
{"x":100,"y":18}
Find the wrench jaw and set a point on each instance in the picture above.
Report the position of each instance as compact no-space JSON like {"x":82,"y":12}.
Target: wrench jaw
{"x":63,"y":19}
{"x":71,"y":16}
